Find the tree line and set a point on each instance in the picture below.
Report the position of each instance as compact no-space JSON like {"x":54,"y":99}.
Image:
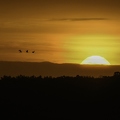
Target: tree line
{"x":63,"y":97}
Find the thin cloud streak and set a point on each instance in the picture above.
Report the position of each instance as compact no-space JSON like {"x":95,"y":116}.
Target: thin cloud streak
{"x":77,"y":19}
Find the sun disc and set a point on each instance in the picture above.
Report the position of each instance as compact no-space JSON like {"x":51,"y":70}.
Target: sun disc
{"x":95,"y":60}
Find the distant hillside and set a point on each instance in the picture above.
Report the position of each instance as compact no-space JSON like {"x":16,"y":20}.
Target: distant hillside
{"x":54,"y":69}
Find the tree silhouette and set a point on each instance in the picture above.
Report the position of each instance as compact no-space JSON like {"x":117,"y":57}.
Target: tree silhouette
{"x":45,"y":97}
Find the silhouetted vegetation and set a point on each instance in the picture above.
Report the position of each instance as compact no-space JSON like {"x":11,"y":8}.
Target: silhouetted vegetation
{"x":63,"y":97}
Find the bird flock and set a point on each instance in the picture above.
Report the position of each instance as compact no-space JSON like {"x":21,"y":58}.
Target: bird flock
{"x":26,"y":51}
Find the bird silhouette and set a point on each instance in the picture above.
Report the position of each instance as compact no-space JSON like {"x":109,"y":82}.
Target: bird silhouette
{"x":26,"y":51}
{"x":20,"y":51}
{"x":33,"y":51}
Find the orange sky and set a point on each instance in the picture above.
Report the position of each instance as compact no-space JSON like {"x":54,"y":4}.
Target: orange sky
{"x":61,"y":31}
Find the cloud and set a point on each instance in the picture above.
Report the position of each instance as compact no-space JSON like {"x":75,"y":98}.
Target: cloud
{"x":78,"y":19}
{"x":39,"y":25}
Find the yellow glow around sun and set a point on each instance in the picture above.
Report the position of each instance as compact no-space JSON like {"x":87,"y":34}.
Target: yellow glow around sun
{"x":95,"y":60}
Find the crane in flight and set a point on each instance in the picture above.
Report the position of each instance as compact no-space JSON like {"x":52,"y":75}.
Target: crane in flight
{"x":20,"y":51}
{"x":26,"y":51}
{"x":33,"y":51}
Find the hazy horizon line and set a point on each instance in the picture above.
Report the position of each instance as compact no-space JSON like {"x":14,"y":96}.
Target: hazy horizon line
{"x":60,"y":63}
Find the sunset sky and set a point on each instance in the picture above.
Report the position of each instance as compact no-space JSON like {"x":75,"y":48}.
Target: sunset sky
{"x":60,"y":31}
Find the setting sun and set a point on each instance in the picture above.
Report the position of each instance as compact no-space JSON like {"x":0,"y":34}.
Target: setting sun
{"x":95,"y":60}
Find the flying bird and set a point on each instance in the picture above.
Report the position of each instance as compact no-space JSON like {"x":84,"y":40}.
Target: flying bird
{"x":20,"y":51}
{"x":26,"y":51}
{"x":33,"y":51}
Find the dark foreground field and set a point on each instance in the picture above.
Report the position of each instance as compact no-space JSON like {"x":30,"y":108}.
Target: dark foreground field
{"x":60,"y":98}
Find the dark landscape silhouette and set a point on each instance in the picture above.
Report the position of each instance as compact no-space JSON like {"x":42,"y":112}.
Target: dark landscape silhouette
{"x":55,"y":69}
{"x":61,"y":97}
